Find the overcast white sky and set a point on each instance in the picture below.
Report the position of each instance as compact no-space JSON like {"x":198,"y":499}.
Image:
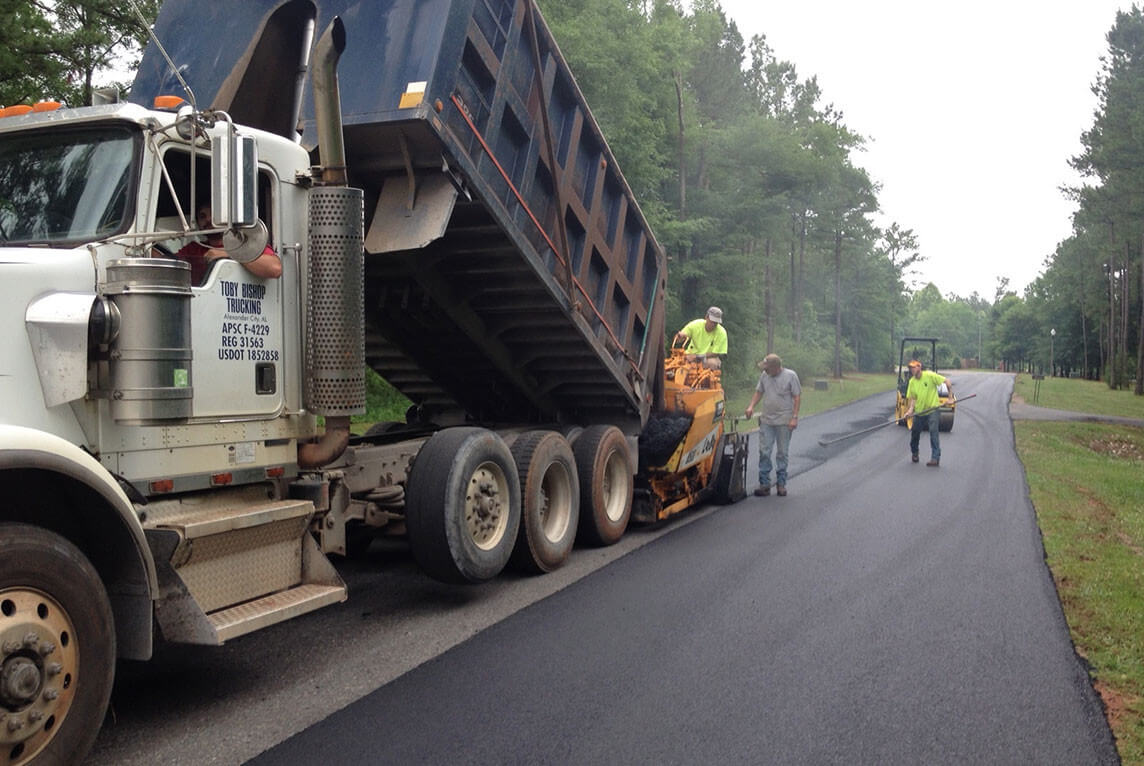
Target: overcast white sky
{"x":972,"y":111}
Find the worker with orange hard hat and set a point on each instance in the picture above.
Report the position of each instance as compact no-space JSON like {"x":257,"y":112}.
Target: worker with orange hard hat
{"x":922,"y":397}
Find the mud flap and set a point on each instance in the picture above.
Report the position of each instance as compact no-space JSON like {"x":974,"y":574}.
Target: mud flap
{"x":730,"y":483}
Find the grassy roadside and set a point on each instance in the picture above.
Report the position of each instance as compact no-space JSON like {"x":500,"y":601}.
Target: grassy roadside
{"x":1084,"y":482}
{"x":1079,"y":395}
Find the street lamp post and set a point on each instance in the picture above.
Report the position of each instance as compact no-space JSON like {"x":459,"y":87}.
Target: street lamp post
{"x":1052,"y":336}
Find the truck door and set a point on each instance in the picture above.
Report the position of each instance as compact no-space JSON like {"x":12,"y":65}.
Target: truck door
{"x":236,"y":338}
{"x":236,"y":317}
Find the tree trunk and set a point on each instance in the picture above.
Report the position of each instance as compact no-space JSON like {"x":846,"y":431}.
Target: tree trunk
{"x":1084,"y":335}
{"x":797,"y":278}
{"x":838,"y":303}
{"x":1103,"y":345}
{"x":1138,"y":389}
{"x":680,"y":147}
{"x":894,"y":316}
{"x":1125,"y":281}
{"x":790,"y":284}
{"x":689,"y":287}
{"x":767,"y":302}
{"x":1111,"y":368}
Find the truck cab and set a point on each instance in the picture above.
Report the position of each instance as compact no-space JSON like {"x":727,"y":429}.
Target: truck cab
{"x":97,"y":210}
{"x":149,"y":427}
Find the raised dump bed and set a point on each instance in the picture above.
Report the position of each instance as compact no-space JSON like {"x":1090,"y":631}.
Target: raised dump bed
{"x":510,"y":275}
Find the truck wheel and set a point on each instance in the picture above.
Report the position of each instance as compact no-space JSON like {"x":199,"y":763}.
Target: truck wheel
{"x":463,"y":505}
{"x":57,"y":648}
{"x":606,"y":484}
{"x":945,"y":421}
{"x":549,"y":501}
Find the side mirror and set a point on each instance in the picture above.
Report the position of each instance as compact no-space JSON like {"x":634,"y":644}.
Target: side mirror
{"x":244,"y":245}
{"x":234,"y":180}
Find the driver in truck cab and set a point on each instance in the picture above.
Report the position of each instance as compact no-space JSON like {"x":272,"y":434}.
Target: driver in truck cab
{"x":201,"y":256}
{"x":706,"y":339}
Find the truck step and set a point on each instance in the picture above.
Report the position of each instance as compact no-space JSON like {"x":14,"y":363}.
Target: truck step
{"x":203,"y":523}
{"x":232,"y":555}
{"x":234,"y":564}
{"x":277,"y":607}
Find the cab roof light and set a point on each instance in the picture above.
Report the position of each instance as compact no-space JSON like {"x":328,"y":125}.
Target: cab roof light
{"x":169,"y":103}
{"x":15,"y":110}
{"x":46,"y":106}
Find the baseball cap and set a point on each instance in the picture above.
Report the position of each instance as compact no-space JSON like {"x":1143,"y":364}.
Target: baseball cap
{"x":715,"y":314}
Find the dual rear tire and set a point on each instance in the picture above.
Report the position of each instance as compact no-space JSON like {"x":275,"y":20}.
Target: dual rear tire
{"x":582,"y":492}
{"x":550,"y":501}
{"x":463,"y":505}
{"x":474,"y":505}
{"x":606,"y":484}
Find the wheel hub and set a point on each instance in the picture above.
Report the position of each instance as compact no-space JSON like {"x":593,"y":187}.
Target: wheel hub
{"x":39,"y":661}
{"x":485,"y":515}
{"x":20,"y":682}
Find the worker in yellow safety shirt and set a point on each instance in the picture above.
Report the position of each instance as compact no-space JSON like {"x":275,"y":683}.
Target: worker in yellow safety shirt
{"x":706,"y":338}
{"x":922,"y":405}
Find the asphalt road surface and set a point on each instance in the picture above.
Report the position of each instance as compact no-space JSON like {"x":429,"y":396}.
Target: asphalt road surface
{"x":884,"y":612}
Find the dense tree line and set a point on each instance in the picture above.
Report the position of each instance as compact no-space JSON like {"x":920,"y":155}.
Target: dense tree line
{"x":1091,"y":290}
{"x":754,"y":186}
{"x":1083,"y":315}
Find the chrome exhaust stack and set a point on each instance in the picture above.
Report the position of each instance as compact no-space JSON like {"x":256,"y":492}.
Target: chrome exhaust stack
{"x":335,"y":271}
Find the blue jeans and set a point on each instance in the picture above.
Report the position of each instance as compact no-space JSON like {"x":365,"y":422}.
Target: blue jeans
{"x":775,"y":438}
{"x":921,"y":423}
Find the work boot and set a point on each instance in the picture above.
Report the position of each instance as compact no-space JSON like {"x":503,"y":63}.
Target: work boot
{"x":932,"y":464}
{"x":762,"y":490}
{"x":780,"y":490}
{"x":914,"y":457}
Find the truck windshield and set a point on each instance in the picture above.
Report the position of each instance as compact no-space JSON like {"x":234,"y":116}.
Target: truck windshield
{"x":65,"y":186}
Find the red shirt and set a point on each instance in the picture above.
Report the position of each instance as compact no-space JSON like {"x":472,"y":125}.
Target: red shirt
{"x":195,"y":253}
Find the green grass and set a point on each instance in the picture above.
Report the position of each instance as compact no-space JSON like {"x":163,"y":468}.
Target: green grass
{"x":382,"y":402}
{"x":1080,"y":395}
{"x":839,"y":391}
{"x":1084,"y":480}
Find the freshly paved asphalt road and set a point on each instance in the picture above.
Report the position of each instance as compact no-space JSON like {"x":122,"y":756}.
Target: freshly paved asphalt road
{"x":884,"y":613}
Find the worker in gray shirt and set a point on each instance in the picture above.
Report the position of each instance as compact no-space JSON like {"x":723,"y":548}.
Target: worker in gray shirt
{"x":781,"y":393}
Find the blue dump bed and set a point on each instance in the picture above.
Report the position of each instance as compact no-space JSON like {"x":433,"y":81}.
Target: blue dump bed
{"x":500,"y":285}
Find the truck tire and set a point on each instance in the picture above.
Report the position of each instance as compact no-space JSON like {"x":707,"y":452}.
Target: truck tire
{"x":57,"y":648}
{"x":606,"y":484}
{"x":463,"y":505}
{"x":549,"y":501}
